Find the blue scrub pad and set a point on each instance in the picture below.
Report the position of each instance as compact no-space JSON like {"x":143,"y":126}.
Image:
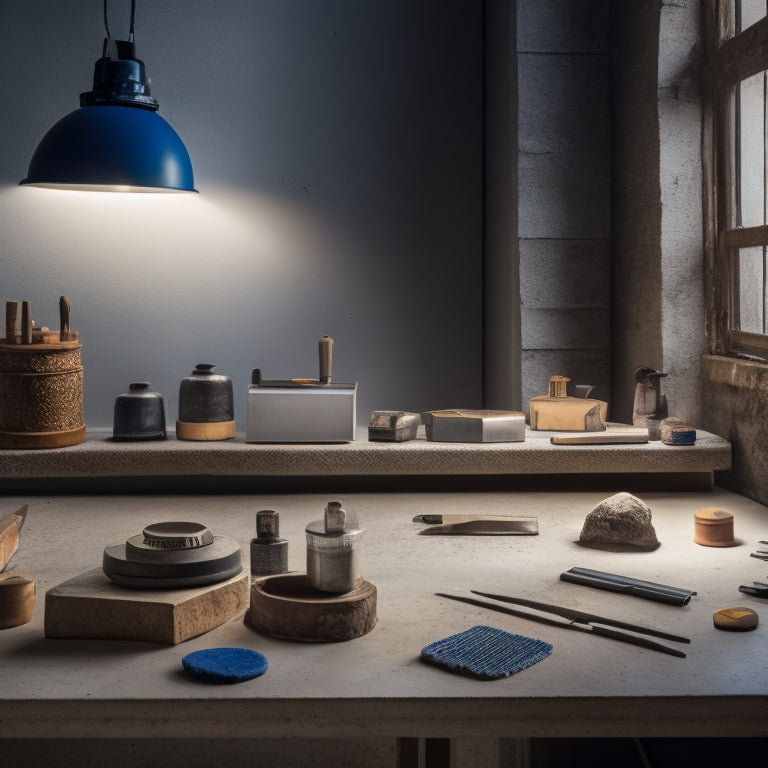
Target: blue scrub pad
{"x":486,"y":652}
{"x":225,"y":665}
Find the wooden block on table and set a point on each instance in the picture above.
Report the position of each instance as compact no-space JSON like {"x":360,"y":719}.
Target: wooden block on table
{"x":91,"y":606}
{"x":614,"y":434}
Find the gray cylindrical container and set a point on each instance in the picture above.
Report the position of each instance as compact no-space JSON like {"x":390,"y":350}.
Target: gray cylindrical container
{"x":139,"y":414}
{"x":333,"y":551}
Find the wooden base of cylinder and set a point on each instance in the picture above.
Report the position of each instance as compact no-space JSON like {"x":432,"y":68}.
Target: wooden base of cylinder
{"x":42,"y":439}
{"x":211,"y":430}
{"x":285,"y":606}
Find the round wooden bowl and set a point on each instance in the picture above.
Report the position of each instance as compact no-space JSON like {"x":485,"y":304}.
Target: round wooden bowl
{"x":286,"y":606}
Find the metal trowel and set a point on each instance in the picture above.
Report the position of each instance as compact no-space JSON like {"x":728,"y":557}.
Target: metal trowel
{"x":478,"y":525}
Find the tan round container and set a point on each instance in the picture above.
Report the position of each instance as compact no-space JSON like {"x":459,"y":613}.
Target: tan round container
{"x":713,"y":527}
{"x":41,"y":395}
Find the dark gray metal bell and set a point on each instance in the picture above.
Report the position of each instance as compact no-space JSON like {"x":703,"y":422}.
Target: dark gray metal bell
{"x":139,"y":414}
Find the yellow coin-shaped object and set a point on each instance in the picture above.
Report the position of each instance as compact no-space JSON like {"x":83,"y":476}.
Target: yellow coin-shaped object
{"x":735,"y":619}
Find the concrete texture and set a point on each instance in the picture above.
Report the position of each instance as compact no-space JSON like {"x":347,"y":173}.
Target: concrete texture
{"x":636,"y":201}
{"x":735,"y":400}
{"x":565,"y":273}
{"x":556,"y":26}
{"x":101,"y":457}
{"x":375,"y":687}
{"x":680,"y":177}
{"x":657,"y":289}
{"x":564,"y":171}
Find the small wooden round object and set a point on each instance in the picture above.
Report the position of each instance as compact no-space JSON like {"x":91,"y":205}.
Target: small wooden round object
{"x":713,"y":527}
{"x":286,"y":606}
{"x":735,"y":619}
{"x":17,"y":599}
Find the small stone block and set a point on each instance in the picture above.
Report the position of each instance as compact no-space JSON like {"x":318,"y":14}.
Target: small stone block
{"x":473,"y":426}
{"x":91,"y":606}
{"x":393,"y":426}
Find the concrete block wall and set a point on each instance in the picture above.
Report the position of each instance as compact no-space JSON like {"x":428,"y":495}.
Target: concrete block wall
{"x":657,"y":304}
{"x":564,"y":183}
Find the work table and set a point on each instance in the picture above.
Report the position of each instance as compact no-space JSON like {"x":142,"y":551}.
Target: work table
{"x":376,"y":685}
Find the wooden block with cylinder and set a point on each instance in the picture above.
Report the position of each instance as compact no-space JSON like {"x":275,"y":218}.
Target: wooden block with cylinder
{"x":41,"y":381}
{"x":557,"y":411}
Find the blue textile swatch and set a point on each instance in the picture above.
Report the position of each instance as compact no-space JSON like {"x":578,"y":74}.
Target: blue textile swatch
{"x":486,"y":652}
{"x":225,"y":665}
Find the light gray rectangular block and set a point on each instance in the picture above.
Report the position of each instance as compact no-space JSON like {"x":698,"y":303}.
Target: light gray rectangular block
{"x":474,"y":426}
{"x":301,"y":414}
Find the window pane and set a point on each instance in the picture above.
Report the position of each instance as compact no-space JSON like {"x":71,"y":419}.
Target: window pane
{"x":748,"y":12}
{"x":750,"y":151}
{"x":751,"y":267}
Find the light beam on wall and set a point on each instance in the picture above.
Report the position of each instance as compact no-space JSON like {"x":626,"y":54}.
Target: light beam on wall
{"x":115,"y":141}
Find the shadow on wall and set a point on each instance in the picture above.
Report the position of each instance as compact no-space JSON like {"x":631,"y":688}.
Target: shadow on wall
{"x":160,"y":283}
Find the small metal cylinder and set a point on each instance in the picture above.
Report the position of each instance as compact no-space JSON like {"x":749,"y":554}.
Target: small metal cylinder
{"x":269,"y":553}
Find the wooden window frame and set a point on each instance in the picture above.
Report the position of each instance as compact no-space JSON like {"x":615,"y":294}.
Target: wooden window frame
{"x":729,"y":60}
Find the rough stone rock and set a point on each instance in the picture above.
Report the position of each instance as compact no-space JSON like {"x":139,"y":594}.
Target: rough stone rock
{"x":620,"y":522}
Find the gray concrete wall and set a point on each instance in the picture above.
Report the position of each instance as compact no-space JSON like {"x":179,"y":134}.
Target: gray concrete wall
{"x":680,"y":178}
{"x":657,"y":271}
{"x":337,"y":148}
{"x":735,"y":401}
{"x":564,"y":171}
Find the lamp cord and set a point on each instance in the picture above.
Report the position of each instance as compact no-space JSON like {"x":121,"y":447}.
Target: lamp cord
{"x":133,"y":20}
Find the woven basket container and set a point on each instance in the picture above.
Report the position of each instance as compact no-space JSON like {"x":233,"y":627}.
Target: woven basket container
{"x":41,"y":395}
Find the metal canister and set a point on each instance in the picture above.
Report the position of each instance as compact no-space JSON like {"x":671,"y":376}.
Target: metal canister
{"x":206,"y":406}
{"x":41,"y":385}
{"x":139,"y":414}
{"x":333,"y":551}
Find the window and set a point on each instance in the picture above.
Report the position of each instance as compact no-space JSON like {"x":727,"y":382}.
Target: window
{"x":738,"y":189}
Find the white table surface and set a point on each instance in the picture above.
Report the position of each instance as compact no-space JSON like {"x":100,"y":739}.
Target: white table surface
{"x":377,"y":685}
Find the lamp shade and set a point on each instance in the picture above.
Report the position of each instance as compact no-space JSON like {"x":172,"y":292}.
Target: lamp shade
{"x":116,"y":141}
{"x":112,"y":147}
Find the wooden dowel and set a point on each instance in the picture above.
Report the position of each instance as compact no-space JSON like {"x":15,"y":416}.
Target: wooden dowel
{"x":11,"y":322}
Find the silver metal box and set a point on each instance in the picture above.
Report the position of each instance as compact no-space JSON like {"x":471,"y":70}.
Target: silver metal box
{"x":285,"y":412}
{"x":473,"y":426}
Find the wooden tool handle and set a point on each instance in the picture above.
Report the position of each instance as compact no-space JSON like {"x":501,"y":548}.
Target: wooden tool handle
{"x":64,"y":310}
{"x":11,"y":322}
{"x":325,"y":348}
{"x":26,"y":322}
{"x":9,"y":539}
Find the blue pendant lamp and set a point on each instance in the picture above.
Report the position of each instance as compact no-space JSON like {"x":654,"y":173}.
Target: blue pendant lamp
{"x":116,"y":141}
